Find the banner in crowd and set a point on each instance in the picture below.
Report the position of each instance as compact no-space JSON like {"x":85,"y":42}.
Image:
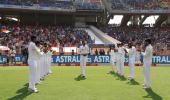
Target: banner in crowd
{"x":90,"y":59}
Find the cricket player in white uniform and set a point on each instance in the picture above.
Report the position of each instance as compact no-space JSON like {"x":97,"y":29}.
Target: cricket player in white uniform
{"x":84,"y":51}
{"x":121,"y":58}
{"x":49,"y":58}
{"x":132,"y":55}
{"x":42,"y":67}
{"x":44,"y":61}
{"x":147,"y":63}
{"x":117,"y":58}
{"x":33,"y":57}
{"x":113,"y":59}
{"x":45,"y":64}
{"x":38,"y":65}
{"x":137,"y":58}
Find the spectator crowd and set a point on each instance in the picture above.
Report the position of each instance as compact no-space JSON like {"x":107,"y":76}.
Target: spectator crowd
{"x":17,"y":37}
{"x":94,"y":4}
{"x":63,"y":4}
{"x":88,"y":4}
{"x":160,"y":36}
{"x":140,"y":4}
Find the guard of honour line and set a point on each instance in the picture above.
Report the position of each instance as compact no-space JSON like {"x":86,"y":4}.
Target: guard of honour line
{"x":39,"y":60}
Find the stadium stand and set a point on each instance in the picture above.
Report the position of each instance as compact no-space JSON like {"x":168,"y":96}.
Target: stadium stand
{"x":68,"y":4}
{"x":65,"y":36}
{"x":116,"y":4}
{"x":63,"y":4}
{"x":68,"y":36}
{"x":88,"y":4}
{"x":140,"y":4}
{"x":17,"y":2}
{"x":159,"y":36}
{"x":94,"y":4}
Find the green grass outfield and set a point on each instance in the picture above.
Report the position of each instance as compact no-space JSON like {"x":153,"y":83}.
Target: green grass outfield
{"x":99,"y":85}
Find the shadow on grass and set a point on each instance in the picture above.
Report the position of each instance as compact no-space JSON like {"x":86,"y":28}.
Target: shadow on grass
{"x":79,"y":78}
{"x":122,"y":78}
{"x":152,"y":94}
{"x":21,"y":93}
{"x":112,"y":73}
{"x":133,"y":82}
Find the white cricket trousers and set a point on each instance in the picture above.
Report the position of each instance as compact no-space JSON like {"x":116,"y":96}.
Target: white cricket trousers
{"x":131,"y":67}
{"x":117,"y":65}
{"x":45,"y":65}
{"x":121,"y":66}
{"x":146,"y":72}
{"x":32,"y":73}
{"x":49,"y":64}
{"x":42,"y":67}
{"x":38,"y":71}
{"x":112,"y":62}
{"x":83,"y":60}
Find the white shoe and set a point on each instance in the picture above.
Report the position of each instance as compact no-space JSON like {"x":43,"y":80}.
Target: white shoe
{"x":50,"y":72}
{"x":146,"y":87}
{"x":36,"y":91}
{"x":33,"y":90}
{"x":42,"y":78}
{"x":130,"y":78}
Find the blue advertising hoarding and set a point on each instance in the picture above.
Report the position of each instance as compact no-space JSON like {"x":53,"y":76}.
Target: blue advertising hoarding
{"x":3,"y":59}
{"x":90,"y":59}
{"x":76,"y":59}
{"x":161,"y":59}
